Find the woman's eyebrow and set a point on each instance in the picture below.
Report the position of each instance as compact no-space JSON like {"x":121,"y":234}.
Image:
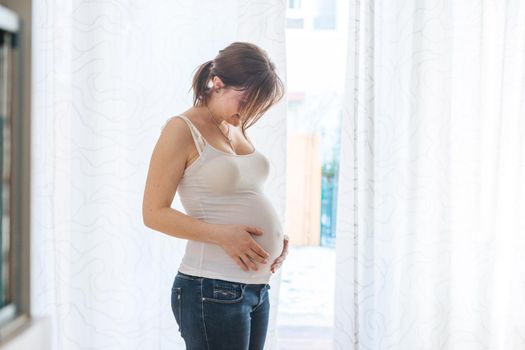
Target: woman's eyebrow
{"x":243,"y":97}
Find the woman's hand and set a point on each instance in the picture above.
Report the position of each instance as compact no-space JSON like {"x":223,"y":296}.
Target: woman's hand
{"x":237,"y":242}
{"x":277,"y":262}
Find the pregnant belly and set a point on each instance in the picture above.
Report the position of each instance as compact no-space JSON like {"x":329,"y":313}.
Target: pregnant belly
{"x":256,"y":212}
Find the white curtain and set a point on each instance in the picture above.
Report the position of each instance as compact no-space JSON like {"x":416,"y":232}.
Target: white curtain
{"x":106,"y":76}
{"x":431,"y":231}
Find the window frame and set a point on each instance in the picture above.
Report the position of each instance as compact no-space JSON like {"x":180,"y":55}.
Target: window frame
{"x":15,"y":316}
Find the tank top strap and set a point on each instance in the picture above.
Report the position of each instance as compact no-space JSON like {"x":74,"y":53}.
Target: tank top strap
{"x":200,"y":142}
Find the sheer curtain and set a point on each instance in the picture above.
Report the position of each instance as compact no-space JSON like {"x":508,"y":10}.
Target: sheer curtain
{"x":431,"y":231}
{"x":107,"y":75}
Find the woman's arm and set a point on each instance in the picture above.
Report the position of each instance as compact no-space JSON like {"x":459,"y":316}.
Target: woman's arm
{"x":166,"y":168}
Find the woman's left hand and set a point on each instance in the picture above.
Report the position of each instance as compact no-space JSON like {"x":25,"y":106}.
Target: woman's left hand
{"x":277,"y":262}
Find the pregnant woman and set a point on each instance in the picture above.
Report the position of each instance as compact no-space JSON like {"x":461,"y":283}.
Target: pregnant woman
{"x":219,"y":297}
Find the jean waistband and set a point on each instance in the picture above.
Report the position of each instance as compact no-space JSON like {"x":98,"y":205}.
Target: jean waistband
{"x":201,"y":277}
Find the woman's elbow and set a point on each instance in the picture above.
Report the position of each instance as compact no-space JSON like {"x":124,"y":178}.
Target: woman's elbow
{"x":148,"y":217}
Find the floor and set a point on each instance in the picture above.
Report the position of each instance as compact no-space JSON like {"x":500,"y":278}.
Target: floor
{"x":305,"y":316}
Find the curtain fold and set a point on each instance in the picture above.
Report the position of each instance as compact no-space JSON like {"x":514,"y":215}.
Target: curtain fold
{"x":431,"y":224}
{"x":107,"y":75}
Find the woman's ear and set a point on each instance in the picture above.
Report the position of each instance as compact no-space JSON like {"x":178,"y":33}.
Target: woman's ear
{"x":217,"y":83}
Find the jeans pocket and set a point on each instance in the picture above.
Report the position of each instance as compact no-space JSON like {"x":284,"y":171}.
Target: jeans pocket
{"x":224,"y":292}
{"x":176,"y":305}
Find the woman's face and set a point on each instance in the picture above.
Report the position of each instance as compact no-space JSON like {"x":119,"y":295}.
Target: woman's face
{"x":229,"y":103}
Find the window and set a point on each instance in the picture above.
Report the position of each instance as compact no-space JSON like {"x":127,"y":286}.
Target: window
{"x":325,"y":18}
{"x":294,"y":15}
{"x":14,"y":247}
{"x":294,"y":4}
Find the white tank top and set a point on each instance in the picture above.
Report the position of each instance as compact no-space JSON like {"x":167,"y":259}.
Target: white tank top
{"x":224,"y":188}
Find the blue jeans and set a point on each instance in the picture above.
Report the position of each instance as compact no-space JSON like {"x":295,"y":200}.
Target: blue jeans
{"x":214,"y":314}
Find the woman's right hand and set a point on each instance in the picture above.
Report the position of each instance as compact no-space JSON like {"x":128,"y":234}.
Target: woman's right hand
{"x":237,"y":242}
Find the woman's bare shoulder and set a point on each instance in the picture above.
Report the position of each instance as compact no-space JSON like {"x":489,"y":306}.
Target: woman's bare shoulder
{"x":176,"y":133}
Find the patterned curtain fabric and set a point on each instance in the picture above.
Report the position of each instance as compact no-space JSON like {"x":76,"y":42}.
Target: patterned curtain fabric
{"x":431,"y":221}
{"x":107,"y":75}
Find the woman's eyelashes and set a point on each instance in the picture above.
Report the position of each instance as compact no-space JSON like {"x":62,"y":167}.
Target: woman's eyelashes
{"x":242,"y":102}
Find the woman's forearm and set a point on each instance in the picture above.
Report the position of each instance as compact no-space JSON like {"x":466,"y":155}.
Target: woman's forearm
{"x":177,"y":224}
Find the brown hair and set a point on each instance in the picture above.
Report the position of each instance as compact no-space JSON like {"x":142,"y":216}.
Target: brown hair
{"x":242,"y":66}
